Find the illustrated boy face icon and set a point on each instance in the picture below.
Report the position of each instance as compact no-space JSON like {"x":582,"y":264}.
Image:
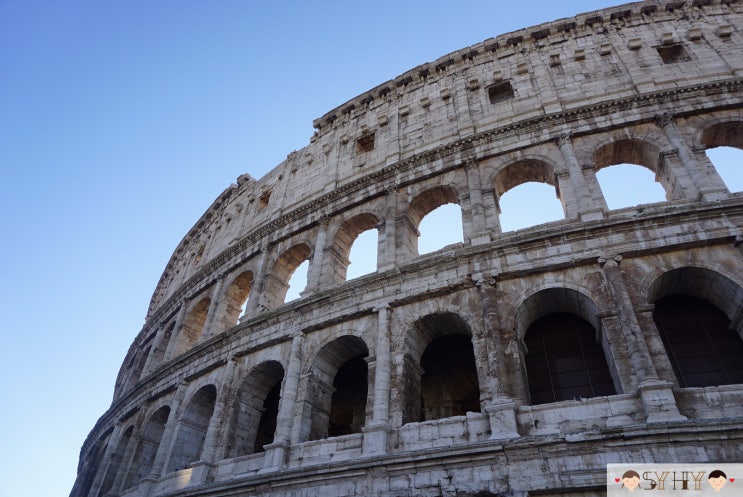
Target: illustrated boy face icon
{"x":631,"y":479}
{"x":717,"y":479}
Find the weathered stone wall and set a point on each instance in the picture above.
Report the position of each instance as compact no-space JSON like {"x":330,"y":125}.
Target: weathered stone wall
{"x":204,"y":383}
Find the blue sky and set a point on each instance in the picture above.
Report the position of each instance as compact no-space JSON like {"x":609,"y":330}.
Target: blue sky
{"x":120,"y":123}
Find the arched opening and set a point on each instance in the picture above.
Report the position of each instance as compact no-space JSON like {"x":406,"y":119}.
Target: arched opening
{"x":115,"y":462}
{"x":529,"y":204}
{"x":627,"y":185}
{"x":91,"y":467}
{"x":354,"y":249}
{"x":440,"y":228}
{"x":440,"y":376}
{"x":564,"y":361}
{"x":728,"y":162}
{"x":435,"y":224}
{"x":235,"y":299}
{"x":449,"y":385}
{"x":699,"y":309}
{"x":192,"y":428}
{"x":702,"y":347}
{"x":362,"y":259}
{"x":256,"y":409}
{"x":724,"y":143}
{"x":289,"y":271}
{"x":337,"y":392}
{"x":565,"y":354}
{"x":348,"y":402}
{"x":298,"y":282}
{"x":527,"y":195}
{"x":192,"y":327}
{"x":162,"y":346}
{"x":149,"y":441}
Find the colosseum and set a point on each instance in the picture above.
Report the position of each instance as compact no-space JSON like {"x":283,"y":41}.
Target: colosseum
{"x":515,"y":363}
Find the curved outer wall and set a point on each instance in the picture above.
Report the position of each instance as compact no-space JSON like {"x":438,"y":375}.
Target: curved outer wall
{"x":652,"y":83}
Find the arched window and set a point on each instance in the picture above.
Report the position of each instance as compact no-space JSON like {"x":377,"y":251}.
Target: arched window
{"x":702,"y":348}
{"x":234,"y":301}
{"x":289,"y":271}
{"x":627,"y":185}
{"x":191,"y":429}
{"x":435,"y":223}
{"x":149,"y":441}
{"x":256,"y":409}
{"x":729,"y":164}
{"x":192,"y":328}
{"x":527,"y":195}
{"x":363,"y":256}
{"x":439,"y":228}
{"x":564,"y":361}
{"x":449,"y":385}
{"x":336,"y":395}
{"x":622,"y":183}
{"x":115,"y":463}
{"x":724,"y":142}
{"x":440,"y":376}
{"x":529,"y":204}
{"x":354,"y":249}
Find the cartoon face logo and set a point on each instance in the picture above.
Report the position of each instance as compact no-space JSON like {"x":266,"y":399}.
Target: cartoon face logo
{"x":717,"y":479}
{"x":631,"y":479}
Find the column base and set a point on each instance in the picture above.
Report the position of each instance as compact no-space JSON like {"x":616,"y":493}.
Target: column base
{"x":200,"y":471}
{"x":376,"y":436}
{"x":502,"y":416}
{"x":658,"y":402}
{"x":275,"y":456}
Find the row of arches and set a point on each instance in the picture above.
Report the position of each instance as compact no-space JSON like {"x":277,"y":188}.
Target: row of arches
{"x":567,"y":350}
{"x":262,"y":284}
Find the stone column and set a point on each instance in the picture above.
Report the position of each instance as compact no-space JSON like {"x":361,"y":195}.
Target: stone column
{"x":201,"y":468}
{"x":491,"y":211}
{"x":655,"y":395}
{"x":213,"y":306}
{"x":705,"y":182}
{"x":167,"y":441}
{"x":316,"y":269}
{"x":578,"y":189}
{"x":477,"y":233}
{"x":387,"y":234}
{"x":256,"y":304}
{"x":277,"y":452}
{"x":176,"y":330}
{"x":498,"y":404}
{"x":376,"y":432}
{"x":106,"y":461}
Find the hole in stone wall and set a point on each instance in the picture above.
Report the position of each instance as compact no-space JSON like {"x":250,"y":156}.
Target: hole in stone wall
{"x":263,"y":199}
{"x":529,"y":204}
{"x":365,"y":143}
{"x":267,"y":424}
{"x":674,"y":52}
{"x":297,"y":282}
{"x":500,"y":92}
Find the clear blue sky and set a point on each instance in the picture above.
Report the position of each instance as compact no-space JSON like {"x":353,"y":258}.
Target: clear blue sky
{"x":120,"y":123}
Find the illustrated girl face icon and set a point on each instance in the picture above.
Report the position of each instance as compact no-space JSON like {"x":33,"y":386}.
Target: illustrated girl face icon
{"x":630,"y":480}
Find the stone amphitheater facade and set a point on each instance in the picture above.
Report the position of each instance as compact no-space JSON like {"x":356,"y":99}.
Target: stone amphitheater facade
{"x":454,"y":373}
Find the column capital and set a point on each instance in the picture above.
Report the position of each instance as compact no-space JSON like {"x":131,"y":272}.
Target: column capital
{"x":564,"y":138}
{"x":609,"y":260}
{"x":663,"y":119}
